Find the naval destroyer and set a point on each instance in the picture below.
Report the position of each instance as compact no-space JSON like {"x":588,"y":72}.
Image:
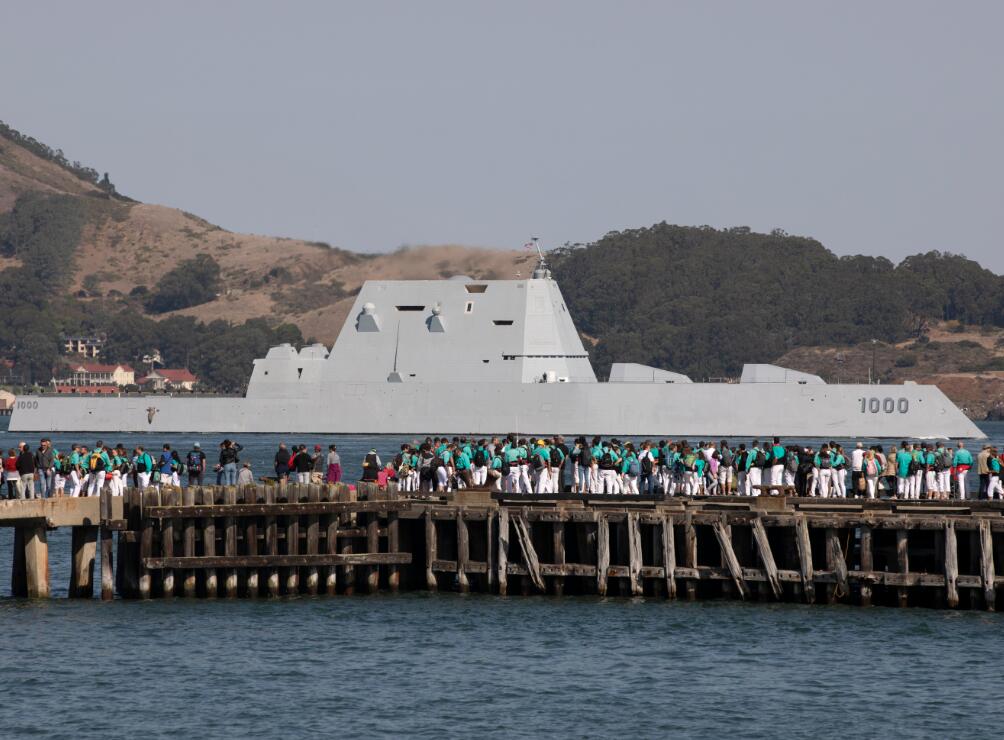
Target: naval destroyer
{"x":464,"y":356}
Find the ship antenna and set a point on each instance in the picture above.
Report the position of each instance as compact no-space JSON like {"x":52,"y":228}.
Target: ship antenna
{"x":397,"y":344}
{"x":541,"y":270}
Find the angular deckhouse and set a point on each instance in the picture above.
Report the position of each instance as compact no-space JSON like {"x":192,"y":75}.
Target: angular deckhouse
{"x":463,"y":356}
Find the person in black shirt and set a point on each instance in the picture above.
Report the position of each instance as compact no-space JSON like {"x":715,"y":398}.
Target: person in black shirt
{"x":282,"y":460}
{"x":26,"y":469}
{"x":228,"y":462}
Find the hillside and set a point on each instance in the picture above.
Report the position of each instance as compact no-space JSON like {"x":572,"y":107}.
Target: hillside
{"x":77,"y":256}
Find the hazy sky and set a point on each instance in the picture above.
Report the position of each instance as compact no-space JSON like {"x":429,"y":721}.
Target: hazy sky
{"x":875,"y":127}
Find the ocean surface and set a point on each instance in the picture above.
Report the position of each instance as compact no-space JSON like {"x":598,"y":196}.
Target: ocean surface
{"x":449,"y":665}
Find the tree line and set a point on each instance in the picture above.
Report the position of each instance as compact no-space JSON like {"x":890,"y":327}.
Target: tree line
{"x":703,"y":301}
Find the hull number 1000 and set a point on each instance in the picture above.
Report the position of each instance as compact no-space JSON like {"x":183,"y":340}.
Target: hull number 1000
{"x":884,"y":405}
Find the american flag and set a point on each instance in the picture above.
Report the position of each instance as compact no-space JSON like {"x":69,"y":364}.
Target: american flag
{"x":531,"y":244}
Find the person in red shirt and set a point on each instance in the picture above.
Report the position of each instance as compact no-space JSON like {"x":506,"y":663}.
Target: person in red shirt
{"x":10,"y":474}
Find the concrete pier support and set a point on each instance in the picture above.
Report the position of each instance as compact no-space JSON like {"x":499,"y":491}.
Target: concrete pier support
{"x":84,"y":553}
{"x":30,"y":572}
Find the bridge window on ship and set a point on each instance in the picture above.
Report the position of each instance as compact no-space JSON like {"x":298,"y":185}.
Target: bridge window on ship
{"x":476,"y":288}
{"x":469,"y":307}
{"x":502,"y":322}
{"x":410,"y":308}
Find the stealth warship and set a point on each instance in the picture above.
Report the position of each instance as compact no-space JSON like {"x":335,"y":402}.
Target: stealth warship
{"x":463,"y":356}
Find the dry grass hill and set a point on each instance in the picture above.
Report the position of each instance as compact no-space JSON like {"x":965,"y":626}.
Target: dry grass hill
{"x":288,"y":280}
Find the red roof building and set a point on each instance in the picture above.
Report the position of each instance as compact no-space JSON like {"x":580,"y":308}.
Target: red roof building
{"x":167,"y":378}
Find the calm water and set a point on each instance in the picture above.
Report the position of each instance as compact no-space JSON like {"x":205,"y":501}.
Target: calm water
{"x":448,"y":665}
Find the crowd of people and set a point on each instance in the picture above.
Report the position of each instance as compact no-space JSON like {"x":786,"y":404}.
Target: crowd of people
{"x":546,"y":465}
{"x":678,"y":468}
{"x":86,"y":471}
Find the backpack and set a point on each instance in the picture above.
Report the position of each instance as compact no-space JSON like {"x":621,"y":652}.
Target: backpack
{"x":633,"y":467}
{"x":727,"y":457}
{"x":141,"y":465}
{"x":425,"y":462}
{"x":96,"y":463}
{"x":585,"y":457}
{"x":480,"y":458}
{"x":761,"y":459}
{"x":791,"y":462}
{"x":505,"y":469}
{"x":606,"y":460}
{"x":556,"y":457}
{"x":646,"y":465}
{"x":194,"y":461}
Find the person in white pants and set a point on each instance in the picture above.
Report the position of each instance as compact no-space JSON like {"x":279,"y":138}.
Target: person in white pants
{"x":754,"y":477}
{"x":97,"y":483}
{"x":994,"y":480}
{"x":870,"y":469}
{"x":963,"y":460}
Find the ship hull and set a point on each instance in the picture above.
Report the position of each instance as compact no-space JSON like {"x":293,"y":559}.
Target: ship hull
{"x":622,"y":409}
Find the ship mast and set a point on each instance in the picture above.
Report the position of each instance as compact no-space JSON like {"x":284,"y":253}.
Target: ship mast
{"x":541,"y":271}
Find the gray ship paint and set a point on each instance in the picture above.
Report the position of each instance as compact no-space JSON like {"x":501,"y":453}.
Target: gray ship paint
{"x":462,"y":356}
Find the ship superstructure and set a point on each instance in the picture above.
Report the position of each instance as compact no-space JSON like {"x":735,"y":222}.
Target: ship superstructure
{"x":464,"y":356}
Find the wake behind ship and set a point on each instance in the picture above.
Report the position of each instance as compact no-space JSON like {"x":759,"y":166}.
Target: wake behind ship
{"x":463,"y":356}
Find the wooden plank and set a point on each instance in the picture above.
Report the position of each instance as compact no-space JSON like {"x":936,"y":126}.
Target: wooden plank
{"x":331,"y":543}
{"x":690,"y":552}
{"x":903,"y":562}
{"x":167,"y":526}
{"x":313,"y":539}
{"x":529,"y":553}
{"x":669,"y":555}
{"x":373,"y":546}
{"x":151,"y":497}
{"x":431,"y":551}
{"x":84,"y":544}
{"x":450,"y":566}
{"x":271,"y":543}
{"x":766,"y":557}
{"x":279,"y":509}
{"x":206,"y":497}
{"x":805,"y":558}
{"x":188,"y":584}
{"x":463,"y":552}
{"x":987,"y":566}
{"x":230,"y":542}
{"x":867,"y":563}
{"x":107,"y":564}
{"x":347,"y":520}
{"x":394,"y":545}
{"x":729,"y":556}
{"x":602,"y":553}
{"x":282,"y":561}
{"x":292,"y":575}
{"x":634,"y":554}
{"x":835,"y":562}
{"x":252,"y":494}
{"x":503,"y":551}
{"x":558,"y":546}
{"x":951,"y":566}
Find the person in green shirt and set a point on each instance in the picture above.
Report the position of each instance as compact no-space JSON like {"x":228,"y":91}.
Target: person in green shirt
{"x":962,"y":462}
{"x":630,"y":470}
{"x":98,"y":466}
{"x":777,"y":455}
{"x":75,"y":475}
{"x":903,"y":459}
{"x":994,"y":481}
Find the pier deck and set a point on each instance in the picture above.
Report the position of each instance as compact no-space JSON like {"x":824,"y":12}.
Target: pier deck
{"x":311,"y":539}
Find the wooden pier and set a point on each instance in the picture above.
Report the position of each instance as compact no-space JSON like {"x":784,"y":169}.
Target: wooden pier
{"x":261,"y":541}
